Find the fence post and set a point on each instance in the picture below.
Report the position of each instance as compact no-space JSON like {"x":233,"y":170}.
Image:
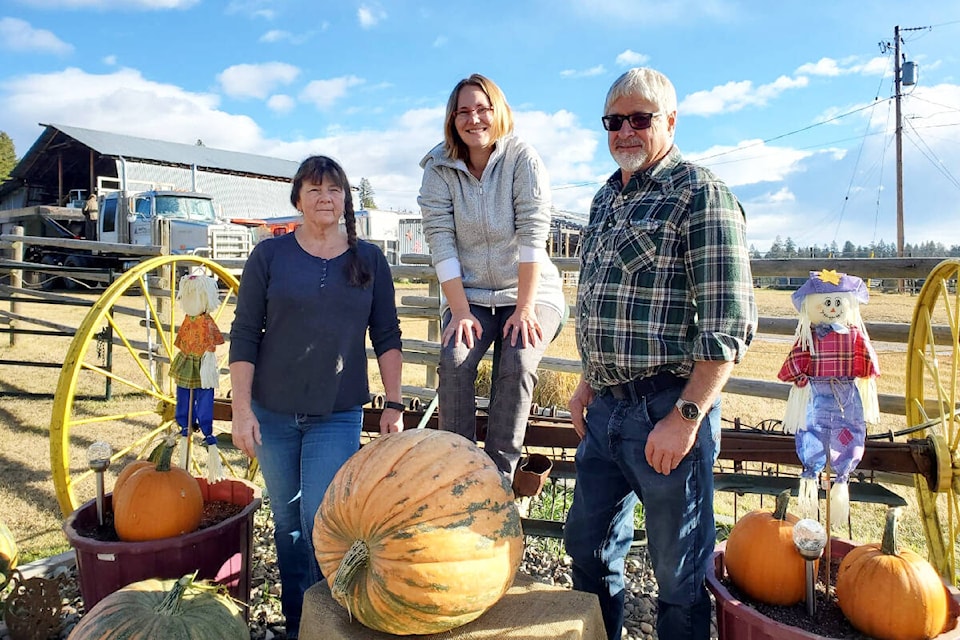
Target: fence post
{"x":16,"y":281}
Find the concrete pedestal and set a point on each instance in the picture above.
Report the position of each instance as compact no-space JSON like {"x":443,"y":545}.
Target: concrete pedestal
{"x":529,"y":610}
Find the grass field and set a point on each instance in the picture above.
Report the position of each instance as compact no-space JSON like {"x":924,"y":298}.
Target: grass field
{"x":27,"y":494}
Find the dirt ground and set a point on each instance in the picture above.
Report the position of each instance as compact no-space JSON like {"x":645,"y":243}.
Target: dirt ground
{"x":27,"y":493}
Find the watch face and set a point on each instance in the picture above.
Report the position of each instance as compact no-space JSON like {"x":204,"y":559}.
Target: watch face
{"x":689,"y":410}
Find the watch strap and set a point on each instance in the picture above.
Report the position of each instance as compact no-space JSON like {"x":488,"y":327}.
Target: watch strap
{"x":390,"y":404}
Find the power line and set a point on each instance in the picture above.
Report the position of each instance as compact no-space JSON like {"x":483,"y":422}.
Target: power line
{"x":930,"y":155}
{"x":790,"y":133}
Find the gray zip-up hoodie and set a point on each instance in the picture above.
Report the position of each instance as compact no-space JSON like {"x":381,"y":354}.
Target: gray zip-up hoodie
{"x":483,"y":223}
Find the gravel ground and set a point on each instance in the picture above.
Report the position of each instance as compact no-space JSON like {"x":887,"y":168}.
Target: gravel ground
{"x":266,"y":620}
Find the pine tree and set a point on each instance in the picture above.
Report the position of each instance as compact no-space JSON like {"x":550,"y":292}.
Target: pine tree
{"x":8,"y":156}
{"x":366,"y":195}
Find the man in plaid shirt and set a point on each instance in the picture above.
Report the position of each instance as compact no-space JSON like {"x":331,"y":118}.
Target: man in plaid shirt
{"x":664,"y":309}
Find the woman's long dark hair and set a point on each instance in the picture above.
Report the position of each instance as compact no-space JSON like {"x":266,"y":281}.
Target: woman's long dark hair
{"x":316,"y":169}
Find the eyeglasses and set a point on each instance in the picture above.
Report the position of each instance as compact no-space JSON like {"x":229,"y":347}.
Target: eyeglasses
{"x":638,"y":121}
{"x":482,"y":113}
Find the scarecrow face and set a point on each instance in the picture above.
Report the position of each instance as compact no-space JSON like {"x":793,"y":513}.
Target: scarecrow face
{"x":825,"y":308}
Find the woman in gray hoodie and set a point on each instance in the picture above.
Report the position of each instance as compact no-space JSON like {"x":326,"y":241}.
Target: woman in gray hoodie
{"x":485,"y":200}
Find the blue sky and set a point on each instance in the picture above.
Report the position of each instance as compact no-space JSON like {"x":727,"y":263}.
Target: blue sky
{"x":789,"y":102}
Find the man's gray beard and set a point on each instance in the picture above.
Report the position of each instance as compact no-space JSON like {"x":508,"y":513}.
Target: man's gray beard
{"x":630,"y":161}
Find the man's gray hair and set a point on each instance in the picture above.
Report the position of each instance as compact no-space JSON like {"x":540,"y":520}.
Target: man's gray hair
{"x":649,"y":84}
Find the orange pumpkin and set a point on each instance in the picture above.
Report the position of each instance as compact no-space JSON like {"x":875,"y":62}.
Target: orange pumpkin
{"x":131,"y":467}
{"x":9,"y":554}
{"x":761,"y":558}
{"x":418,"y":533}
{"x":157,"y":502}
{"x":890,"y":593}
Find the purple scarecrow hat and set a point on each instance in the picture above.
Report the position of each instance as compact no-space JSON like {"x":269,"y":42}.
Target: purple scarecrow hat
{"x":828,"y":281}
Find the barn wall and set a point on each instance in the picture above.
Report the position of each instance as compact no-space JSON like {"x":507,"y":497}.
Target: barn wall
{"x":234,"y":196}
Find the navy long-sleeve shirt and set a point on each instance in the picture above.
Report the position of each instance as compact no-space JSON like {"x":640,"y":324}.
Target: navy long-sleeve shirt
{"x":303,"y":326}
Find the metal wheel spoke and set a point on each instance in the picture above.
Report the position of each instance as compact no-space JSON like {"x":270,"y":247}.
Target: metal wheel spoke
{"x":115,"y":384}
{"x":933,"y":372}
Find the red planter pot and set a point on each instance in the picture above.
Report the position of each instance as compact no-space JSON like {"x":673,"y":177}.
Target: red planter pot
{"x":737,"y":620}
{"x":220,"y":552}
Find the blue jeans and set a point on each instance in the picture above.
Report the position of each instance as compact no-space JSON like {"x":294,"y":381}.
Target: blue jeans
{"x":299,"y":456}
{"x":514,"y":376}
{"x":612,"y":476}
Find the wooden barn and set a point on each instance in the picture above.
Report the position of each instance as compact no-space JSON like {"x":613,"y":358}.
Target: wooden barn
{"x":66,"y":163}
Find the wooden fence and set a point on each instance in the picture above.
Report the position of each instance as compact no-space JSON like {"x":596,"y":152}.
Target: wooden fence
{"x":426,"y":352}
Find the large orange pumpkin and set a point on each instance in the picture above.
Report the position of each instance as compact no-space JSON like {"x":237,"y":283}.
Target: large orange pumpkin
{"x":157,"y":502}
{"x":890,"y":593}
{"x":762,"y":559}
{"x":418,"y":533}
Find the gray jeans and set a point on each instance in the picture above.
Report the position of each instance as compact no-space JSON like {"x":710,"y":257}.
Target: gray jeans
{"x":514,"y":376}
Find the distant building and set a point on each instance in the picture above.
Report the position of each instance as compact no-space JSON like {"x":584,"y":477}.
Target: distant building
{"x":396,"y":233}
{"x":69,"y":160}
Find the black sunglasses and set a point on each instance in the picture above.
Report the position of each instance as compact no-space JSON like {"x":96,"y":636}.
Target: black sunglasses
{"x":637,"y":121}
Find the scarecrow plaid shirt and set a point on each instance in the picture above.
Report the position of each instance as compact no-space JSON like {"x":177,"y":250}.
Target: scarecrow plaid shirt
{"x":665,"y":275}
{"x":838,"y":355}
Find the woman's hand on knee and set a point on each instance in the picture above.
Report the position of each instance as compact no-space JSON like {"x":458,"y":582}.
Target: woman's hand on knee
{"x":462,"y":328}
{"x":525,"y":324}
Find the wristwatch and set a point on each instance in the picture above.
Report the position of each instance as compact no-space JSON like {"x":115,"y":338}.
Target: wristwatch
{"x":689,"y":410}
{"x":390,"y":404}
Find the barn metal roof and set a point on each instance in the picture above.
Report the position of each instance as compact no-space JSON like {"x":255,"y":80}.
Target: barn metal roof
{"x":134,"y":148}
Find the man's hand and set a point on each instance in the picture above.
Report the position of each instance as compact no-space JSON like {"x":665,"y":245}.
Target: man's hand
{"x":671,"y":439}
{"x":579,"y":401}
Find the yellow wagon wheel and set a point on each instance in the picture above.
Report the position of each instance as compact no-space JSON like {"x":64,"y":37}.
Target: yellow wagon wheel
{"x":115,"y":385}
{"x":933,"y":375}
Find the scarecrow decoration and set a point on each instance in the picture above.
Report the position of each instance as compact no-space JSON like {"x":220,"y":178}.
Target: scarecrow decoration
{"x":833,"y":368}
{"x":194,"y":368}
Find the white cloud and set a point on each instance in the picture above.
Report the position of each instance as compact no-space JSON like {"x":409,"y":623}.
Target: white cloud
{"x":831,"y":68}
{"x":276,"y":35}
{"x":281,"y":103}
{"x":256,"y":80}
{"x":279,"y":35}
{"x":632,"y":59}
{"x":147,"y":5}
{"x":110,"y":61}
{"x":584,"y":73}
{"x":751,"y":162}
{"x":822,"y":67}
{"x":568,"y":150}
{"x":734,"y":96}
{"x":121,"y":102}
{"x":370,"y":15}
{"x":323,"y":93}
{"x":18,"y":35}
{"x":261,"y":9}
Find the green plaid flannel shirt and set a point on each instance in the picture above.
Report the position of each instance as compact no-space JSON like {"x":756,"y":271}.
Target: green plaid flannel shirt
{"x":664,"y":275}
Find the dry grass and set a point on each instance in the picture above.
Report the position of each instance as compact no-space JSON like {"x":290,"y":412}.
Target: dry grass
{"x":26,"y":488}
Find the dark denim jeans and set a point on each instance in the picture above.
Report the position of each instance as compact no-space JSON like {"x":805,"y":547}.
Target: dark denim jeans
{"x":511,"y":394}
{"x":612,"y":475}
{"x":299,"y":456}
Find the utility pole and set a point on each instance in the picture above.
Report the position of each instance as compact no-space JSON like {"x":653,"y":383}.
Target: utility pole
{"x":899,"y":138}
{"x":898,"y":83}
